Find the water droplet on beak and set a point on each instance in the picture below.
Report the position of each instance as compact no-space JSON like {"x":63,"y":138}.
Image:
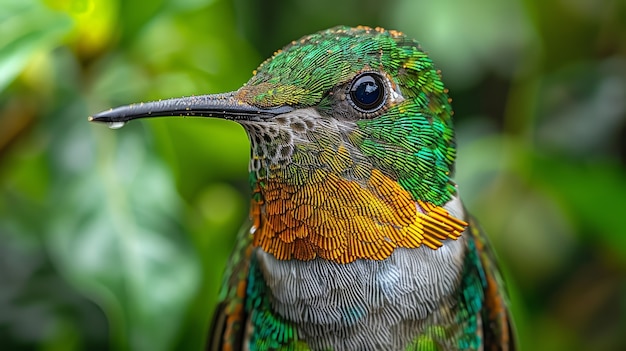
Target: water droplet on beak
{"x":116,"y":125}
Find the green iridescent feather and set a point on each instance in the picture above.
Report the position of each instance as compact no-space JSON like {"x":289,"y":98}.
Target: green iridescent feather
{"x":478,"y":318}
{"x":268,"y":330}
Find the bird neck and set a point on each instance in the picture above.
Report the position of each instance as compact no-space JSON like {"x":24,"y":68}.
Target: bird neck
{"x":318,"y":192}
{"x":342,"y":220}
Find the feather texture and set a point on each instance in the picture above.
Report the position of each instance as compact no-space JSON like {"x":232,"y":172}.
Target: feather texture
{"x":359,"y":239}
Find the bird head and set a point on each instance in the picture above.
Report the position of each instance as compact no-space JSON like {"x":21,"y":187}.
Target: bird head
{"x":351,"y":134}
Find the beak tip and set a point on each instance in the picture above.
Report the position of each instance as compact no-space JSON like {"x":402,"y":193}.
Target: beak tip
{"x":103,"y":118}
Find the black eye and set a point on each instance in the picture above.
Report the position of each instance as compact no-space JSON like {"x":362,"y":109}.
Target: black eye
{"x":367,"y":92}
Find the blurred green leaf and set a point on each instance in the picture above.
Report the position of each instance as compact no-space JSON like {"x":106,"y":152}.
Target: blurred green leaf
{"x":27,"y":28}
{"x":593,"y":193}
{"x":120,"y":246}
{"x":500,"y":39}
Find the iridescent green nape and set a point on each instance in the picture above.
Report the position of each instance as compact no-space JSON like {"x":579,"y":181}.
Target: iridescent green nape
{"x":419,"y":148}
{"x":416,"y":137}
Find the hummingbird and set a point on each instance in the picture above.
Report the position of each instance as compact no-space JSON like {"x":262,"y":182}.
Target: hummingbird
{"x":358,"y":238}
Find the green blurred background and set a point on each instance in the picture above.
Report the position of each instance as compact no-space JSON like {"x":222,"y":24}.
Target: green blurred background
{"x":118,"y":239}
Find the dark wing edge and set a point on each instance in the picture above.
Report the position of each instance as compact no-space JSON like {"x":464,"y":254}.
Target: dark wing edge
{"x":498,"y":331}
{"x":227,"y":329}
{"x":217,"y":328}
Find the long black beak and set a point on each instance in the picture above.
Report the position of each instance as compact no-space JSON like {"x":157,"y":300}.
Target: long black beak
{"x":225,"y":106}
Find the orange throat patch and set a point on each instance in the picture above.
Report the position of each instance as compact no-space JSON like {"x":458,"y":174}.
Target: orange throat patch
{"x":341,"y":221}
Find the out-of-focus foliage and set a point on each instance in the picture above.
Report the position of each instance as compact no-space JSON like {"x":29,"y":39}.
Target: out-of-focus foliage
{"x":118,"y":239}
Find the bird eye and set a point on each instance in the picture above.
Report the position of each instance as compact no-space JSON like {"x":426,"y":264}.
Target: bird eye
{"x":367,"y":92}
